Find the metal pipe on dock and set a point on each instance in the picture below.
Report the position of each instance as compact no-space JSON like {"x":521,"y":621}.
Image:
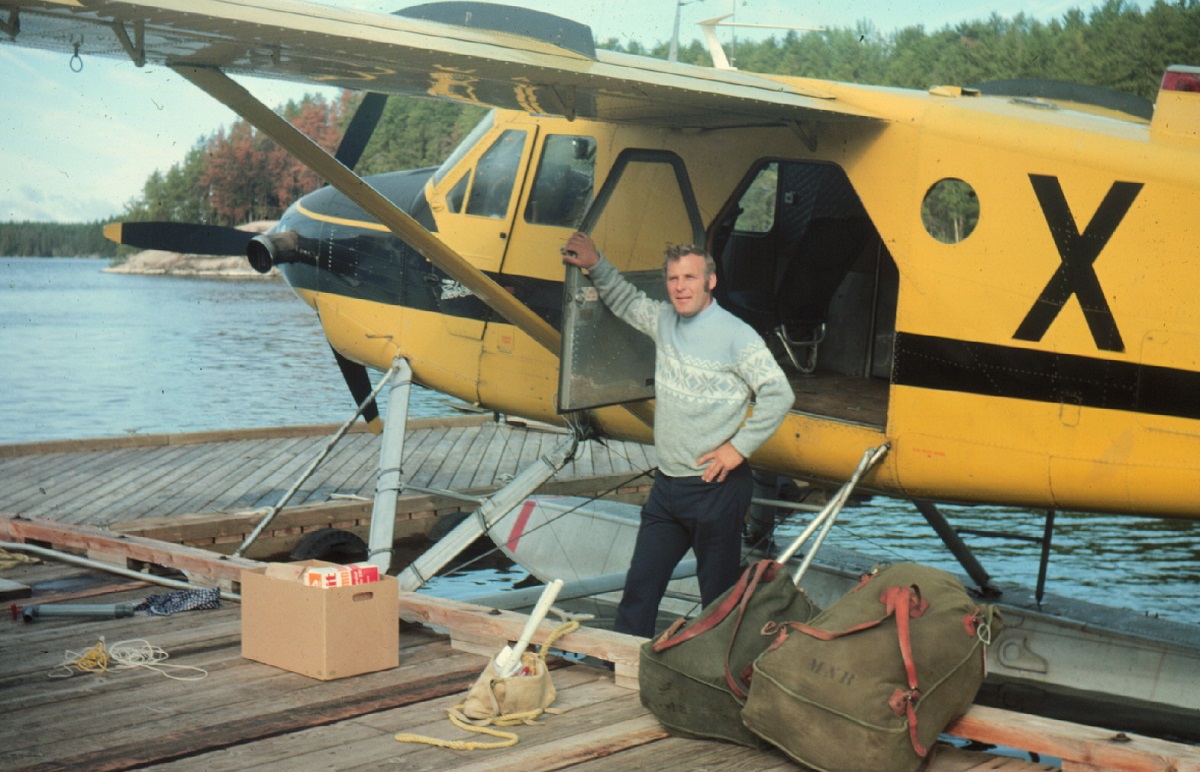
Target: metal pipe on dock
{"x":66,"y":557}
{"x":88,"y":610}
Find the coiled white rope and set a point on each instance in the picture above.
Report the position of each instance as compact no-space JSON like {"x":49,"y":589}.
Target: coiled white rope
{"x":125,"y":655}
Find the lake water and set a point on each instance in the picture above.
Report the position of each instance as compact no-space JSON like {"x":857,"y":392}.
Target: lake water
{"x":91,"y":354}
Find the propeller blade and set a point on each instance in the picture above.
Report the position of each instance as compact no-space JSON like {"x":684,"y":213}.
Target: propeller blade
{"x":360,"y":388}
{"x":188,"y":238}
{"x":361,"y":127}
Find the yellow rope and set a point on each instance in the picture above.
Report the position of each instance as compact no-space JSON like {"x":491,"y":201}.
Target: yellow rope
{"x":508,"y":739}
{"x":13,"y":559}
{"x":562,"y":630}
{"x":94,"y":660}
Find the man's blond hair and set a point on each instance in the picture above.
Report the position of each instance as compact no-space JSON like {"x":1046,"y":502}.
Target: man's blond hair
{"x":679,"y":250}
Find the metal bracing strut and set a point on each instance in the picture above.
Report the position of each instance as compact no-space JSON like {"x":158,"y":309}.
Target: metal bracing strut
{"x":1045,"y":561}
{"x":950,"y":537}
{"x":489,"y":513}
{"x":825,"y":519}
{"x":1043,"y":541}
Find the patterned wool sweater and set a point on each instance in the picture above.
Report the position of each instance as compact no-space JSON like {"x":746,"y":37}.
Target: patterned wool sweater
{"x":706,"y":369}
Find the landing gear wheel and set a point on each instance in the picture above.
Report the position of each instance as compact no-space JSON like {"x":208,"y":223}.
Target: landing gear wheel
{"x":332,"y":546}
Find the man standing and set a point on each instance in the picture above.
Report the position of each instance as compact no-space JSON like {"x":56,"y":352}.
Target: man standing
{"x":708,"y":363}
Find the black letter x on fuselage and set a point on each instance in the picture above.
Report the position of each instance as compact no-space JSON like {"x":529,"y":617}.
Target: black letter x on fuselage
{"x":1078,"y":251}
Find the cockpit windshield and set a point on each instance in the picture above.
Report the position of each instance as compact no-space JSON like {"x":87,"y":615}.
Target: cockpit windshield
{"x":467,"y":143}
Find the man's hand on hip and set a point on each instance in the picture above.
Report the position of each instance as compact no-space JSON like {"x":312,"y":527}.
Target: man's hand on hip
{"x":720,"y":462}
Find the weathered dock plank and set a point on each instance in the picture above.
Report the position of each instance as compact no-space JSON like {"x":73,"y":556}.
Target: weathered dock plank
{"x":48,"y":486}
{"x":449,"y":456}
{"x":476,"y":457}
{"x":271,"y":474}
{"x":159,"y":473}
{"x":201,"y":489}
{"x":145,"y":473}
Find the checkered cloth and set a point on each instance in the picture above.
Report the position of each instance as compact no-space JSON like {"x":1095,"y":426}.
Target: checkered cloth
{"x":168,"y":603}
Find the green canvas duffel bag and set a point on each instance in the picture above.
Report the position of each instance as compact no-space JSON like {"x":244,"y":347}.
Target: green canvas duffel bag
{"x":872,"y":681}
{"x":694,"y":677}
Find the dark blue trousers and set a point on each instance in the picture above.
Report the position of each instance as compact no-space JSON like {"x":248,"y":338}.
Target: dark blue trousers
{"x":682,"y":513}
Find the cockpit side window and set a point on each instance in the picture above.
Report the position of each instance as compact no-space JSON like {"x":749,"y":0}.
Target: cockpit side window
{"x":496,"y":175}
{"x":468,"y":142}
{"x":563,"y":186}
{"x":454,"y":199}
{"x":757,"y":205}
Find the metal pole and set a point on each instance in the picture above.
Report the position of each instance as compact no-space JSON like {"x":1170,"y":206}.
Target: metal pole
{"x":67,"y":557}
{"x":673,"y":55}
{"x":830,"y":513}
{"x":391,"y":455}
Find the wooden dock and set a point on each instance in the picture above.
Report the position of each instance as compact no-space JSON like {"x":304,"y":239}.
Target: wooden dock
{"x":244,"y":714}
{"x":210,"y":489}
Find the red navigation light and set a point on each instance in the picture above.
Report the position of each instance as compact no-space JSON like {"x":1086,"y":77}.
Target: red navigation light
{"x":1179,"y":78}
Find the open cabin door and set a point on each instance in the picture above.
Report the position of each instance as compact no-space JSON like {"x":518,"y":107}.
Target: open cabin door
{"x":645,"y":206}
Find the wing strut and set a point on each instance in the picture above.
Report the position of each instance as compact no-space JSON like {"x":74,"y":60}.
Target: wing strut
{"x":229,"y":93}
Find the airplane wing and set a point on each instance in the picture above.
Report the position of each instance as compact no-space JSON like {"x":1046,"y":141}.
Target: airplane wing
{"x":442,"y":50}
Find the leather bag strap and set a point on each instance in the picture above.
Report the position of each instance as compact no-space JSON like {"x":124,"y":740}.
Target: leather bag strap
{"x":738,"y":596}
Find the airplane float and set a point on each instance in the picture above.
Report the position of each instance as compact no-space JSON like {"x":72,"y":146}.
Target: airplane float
{"x":996,"y":283}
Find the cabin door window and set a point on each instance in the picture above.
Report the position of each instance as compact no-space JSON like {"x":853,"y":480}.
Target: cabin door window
{"x":645,"y":206}
{"x":562,"y":187}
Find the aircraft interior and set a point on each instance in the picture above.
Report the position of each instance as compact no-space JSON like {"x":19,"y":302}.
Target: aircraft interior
{"x":800,"y":261}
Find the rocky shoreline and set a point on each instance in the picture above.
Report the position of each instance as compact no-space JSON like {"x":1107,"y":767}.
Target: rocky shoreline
{"x":156,"y":262}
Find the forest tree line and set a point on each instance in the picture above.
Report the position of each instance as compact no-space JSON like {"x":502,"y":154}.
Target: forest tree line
{"x":237,"y":175}
{"x":53,"y":239}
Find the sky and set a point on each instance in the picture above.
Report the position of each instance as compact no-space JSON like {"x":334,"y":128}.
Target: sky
{"x":77,"y":147}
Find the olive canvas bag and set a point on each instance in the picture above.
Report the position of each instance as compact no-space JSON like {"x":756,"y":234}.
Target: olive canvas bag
{"x":873,"y":680}
{"x":695,"y":676}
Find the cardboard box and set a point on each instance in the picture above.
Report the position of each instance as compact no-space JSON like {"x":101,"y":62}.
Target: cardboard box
{"x":323,"y":633}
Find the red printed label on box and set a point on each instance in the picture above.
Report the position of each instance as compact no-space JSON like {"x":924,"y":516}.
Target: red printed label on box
{"x":341,"y":576}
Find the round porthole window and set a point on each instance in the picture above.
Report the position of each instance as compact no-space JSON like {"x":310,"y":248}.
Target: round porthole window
{"x":950,"y":210}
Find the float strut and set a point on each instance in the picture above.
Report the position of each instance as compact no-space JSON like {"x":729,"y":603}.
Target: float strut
{"x":958,"y":547}
{"x":1045,"y":561}
{"x":391,"y":454}
{"x":489,"y":513}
